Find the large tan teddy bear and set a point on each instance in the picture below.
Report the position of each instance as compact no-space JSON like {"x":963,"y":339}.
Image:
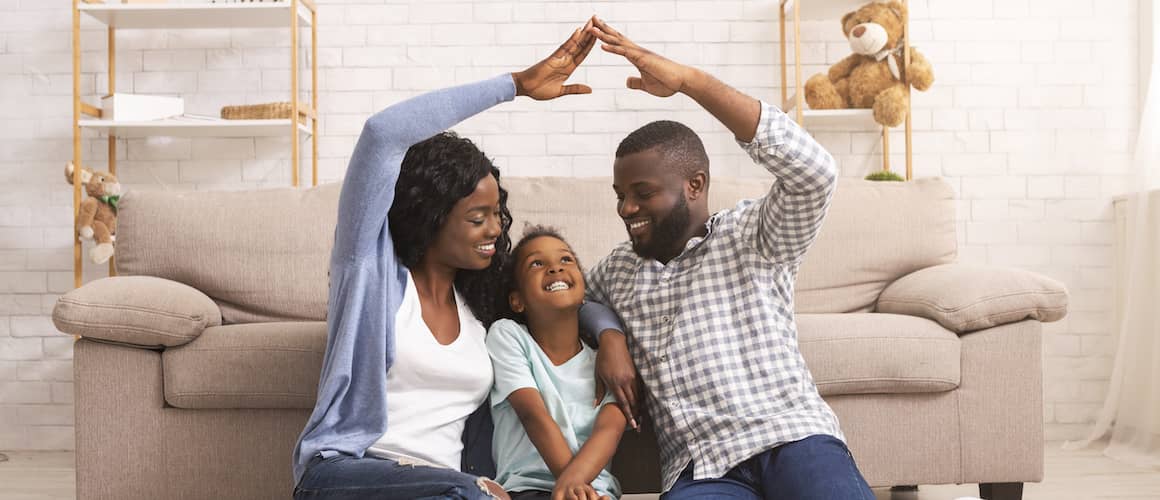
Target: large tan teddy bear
{"x":97,"y":218}
{"x":874,"y":75}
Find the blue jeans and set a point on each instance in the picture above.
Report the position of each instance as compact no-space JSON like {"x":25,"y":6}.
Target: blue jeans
{"x":348,"y":478}
{"x":815,"y":468}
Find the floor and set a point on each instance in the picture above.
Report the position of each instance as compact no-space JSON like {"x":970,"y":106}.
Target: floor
{"x":1084,"y":474}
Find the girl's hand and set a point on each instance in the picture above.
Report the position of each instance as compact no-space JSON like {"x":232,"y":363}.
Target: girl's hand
{"x":545,"y":80}
{"x":568,"y":489}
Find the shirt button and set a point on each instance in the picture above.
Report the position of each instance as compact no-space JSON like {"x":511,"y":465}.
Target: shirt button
{"x":664,"y":319}
{"x":664,"y":357}
{"x":675,"y":404}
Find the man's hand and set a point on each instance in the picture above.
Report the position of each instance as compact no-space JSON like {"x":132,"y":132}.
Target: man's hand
{"x":658,"y":76}
{"x":615,"y":372}
{"x":545,"y":79}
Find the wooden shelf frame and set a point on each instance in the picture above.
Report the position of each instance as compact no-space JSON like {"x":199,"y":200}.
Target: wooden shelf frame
{"x":818,"y":10}
{"x":283,"y":14}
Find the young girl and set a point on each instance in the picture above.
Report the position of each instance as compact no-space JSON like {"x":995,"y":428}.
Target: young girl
{"x":549,"y":441}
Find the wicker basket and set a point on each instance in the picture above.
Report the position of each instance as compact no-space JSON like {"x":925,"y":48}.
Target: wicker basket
{"x":266,"y":111}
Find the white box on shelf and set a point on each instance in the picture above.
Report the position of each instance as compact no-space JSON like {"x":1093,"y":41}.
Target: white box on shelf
{"x":136,"y":107}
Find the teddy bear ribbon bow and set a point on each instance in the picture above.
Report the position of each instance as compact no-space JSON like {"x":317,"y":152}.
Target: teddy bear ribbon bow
{"x":111,"y":200}
{"x":890,"y":61}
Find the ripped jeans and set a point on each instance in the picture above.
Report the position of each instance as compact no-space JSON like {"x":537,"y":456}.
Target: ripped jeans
{"x":345,"y":477}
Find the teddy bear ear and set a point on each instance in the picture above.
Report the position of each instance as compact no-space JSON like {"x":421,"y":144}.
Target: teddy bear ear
{"x":845,"y":19}
{"x":86,"y":174}
{"x":897,"y":8}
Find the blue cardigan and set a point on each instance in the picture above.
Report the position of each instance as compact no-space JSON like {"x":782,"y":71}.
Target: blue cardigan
{"x":367,"y":280}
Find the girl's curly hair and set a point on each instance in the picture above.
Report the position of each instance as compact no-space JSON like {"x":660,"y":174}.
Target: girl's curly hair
{"x":435,"y":174}
{"x":511,"y":280}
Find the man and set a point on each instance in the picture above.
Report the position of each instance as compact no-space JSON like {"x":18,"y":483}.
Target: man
{"x":707,"y":301}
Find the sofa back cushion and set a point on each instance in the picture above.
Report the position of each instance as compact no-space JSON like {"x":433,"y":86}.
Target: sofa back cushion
{"x":874,"y":233}
{"x":261,"y":255}
{"x":264,"y":255}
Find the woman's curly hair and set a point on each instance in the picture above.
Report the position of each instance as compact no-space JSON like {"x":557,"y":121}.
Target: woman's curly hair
{"x":435,"y":174}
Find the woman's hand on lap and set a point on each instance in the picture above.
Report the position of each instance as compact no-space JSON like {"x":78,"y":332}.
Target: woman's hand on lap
{"x":496,"y":490}
{"x":545,"y":79}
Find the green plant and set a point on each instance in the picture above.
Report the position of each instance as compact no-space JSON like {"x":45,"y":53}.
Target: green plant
{"x":884,"y":175}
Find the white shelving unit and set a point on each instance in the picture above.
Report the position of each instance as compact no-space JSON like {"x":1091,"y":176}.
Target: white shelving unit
{"x":194,"y":16}
{"x":796,"y":11}
{"x":283,"y":14}
{"x":194,"y":128}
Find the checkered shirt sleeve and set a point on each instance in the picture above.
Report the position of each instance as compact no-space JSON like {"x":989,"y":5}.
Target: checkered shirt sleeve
{"x":785,"y":222}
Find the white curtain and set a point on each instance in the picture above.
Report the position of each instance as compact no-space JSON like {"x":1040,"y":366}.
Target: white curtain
{"x":1130,"y":417}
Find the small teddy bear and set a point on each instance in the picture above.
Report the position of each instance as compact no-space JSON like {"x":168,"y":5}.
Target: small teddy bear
{"x":97,"y":218}
{"x":874,"y":75}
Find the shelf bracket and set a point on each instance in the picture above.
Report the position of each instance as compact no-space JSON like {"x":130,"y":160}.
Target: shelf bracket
{"x":90,"y":110}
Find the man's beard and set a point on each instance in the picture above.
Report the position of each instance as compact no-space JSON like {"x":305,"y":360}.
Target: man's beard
{"x":665,"y":235}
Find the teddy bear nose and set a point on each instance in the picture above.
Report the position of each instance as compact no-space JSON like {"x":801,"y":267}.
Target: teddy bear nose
{"x":859,"y":30}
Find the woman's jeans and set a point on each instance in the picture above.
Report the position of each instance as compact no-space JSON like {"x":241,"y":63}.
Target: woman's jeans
{"x":346,"y":477}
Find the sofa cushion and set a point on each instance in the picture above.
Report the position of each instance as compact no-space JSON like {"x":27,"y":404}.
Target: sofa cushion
{"x":260,"y":365}
{"x":261,"y":255}
{"x":136,"y":310}
{"x":968,"y":297}
{"x":865,"y":353}
{"x":277,"y":365}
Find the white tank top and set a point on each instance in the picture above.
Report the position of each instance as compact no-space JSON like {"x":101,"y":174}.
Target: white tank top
{"x":432,"y":388}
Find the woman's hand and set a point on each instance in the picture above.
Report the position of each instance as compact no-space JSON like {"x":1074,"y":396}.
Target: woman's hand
{"x":496,"y":490}
{"x":615,"y":371}
{"x":545,"y":79}
{"x":658,"y":76}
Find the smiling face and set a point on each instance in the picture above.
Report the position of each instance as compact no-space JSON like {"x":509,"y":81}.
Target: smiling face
{"x":547,"y":276}
{"x":651,"y":200}
{"x":466,"y":240}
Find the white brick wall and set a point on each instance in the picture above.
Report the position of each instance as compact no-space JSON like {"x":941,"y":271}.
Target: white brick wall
{"x":1031,"y":119}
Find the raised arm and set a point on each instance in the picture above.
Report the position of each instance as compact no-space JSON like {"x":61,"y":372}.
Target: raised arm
{"x":369,"y":187}
{"x":785,"y":222}
{"x":663,"y":77}
{"x":787,"y":219}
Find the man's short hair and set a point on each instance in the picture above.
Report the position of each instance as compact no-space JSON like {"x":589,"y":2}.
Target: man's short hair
{"x":678,"y":144}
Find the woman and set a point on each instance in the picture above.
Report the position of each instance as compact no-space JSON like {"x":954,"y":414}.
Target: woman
{"x":417,"y":262}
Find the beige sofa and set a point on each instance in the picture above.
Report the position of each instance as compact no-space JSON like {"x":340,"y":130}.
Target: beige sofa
{"x":198,"y":365}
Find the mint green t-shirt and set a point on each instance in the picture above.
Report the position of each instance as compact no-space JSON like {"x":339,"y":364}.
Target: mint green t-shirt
{"x":567,"y":392}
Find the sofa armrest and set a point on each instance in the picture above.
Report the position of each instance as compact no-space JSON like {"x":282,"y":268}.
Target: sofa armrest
{"x":136,"y":310}
{"x":964,"y":297}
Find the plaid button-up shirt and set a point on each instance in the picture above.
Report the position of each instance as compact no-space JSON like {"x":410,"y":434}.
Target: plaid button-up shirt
{"x":712,"y":333}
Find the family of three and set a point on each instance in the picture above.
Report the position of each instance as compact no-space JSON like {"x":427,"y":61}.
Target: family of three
{"x":453,"y":358}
